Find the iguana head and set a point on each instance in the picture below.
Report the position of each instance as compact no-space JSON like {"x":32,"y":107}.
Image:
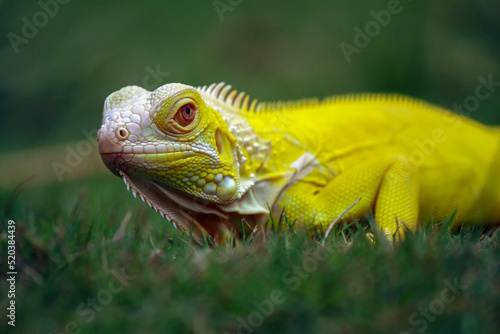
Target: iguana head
{"x":173,"y":148}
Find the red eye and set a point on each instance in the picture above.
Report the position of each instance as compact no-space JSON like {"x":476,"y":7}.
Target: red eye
{"x":185,"y":115}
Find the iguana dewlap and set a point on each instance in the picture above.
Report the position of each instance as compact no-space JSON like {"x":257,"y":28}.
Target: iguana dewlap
{"x":209,"y":157}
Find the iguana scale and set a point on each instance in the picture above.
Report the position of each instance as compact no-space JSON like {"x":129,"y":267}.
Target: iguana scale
{"x":209,"y":156}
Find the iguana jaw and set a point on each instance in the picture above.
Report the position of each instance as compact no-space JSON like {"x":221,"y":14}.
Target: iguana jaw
{"x":182,"y":210}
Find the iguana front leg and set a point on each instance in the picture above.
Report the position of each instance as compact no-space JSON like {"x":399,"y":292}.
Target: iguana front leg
{"x":388,"y":185}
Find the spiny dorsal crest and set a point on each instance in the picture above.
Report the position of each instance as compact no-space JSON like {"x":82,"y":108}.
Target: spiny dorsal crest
{"x":241,"y":100}
{"x":220,"y":91}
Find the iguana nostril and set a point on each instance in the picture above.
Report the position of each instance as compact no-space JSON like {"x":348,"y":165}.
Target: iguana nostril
{"x":122,"y":133}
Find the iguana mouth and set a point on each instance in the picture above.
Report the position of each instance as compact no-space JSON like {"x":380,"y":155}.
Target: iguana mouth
{"x":109,"y":151}
{"x":107,"y":146}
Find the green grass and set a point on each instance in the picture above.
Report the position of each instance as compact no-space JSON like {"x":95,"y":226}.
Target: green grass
{"x":71,"y":237}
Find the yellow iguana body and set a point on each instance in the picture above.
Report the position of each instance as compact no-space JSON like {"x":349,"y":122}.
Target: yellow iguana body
{"x":206,"y":156}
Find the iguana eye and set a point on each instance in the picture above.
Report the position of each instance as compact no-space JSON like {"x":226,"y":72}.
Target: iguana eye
{"x":178,"y":115}
{"x":186,"y":114}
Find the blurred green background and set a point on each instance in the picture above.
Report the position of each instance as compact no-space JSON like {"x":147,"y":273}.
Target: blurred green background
{"x":55,"y":85}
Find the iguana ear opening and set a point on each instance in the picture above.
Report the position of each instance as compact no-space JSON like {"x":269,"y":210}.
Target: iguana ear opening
{"x":233,"y":158}
{"x":223,"y":143}
{"x":218,"y":141}
{"x":228,"y":155}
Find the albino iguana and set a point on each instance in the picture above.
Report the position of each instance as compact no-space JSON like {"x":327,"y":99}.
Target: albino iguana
{"x":207,"y":156}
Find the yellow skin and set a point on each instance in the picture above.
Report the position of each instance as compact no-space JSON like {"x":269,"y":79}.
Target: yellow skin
{"x":206,"y":156}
